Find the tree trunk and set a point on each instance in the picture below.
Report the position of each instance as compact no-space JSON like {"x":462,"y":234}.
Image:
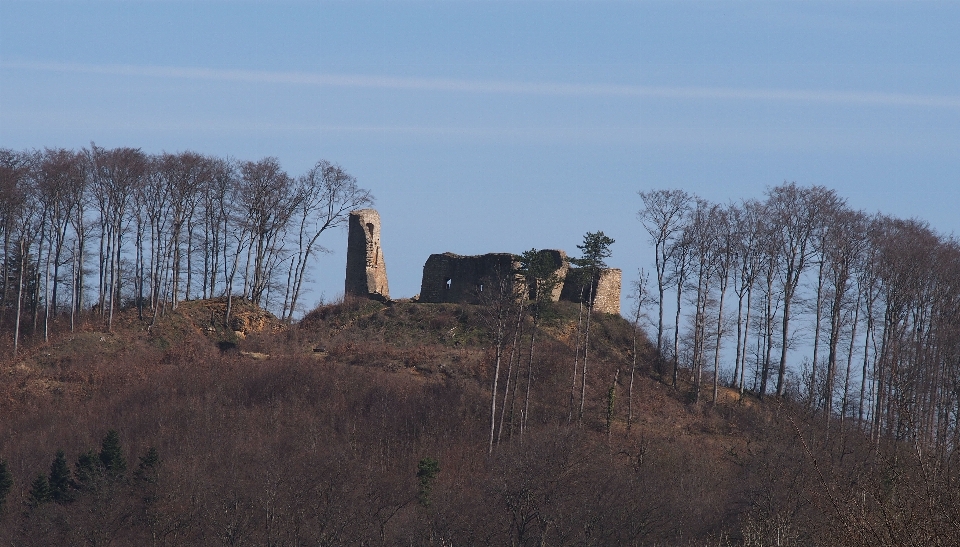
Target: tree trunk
{"x":716,"y":354}
{"x":816,"y":339}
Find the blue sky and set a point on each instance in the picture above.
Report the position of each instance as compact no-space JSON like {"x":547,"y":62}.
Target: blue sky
{"x":500,"y":126}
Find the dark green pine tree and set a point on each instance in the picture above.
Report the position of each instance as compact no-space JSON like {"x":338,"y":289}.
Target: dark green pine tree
{"x":111,"y":454}
{"x":59,"y":481}
{"x":87,"y":469}
{"x":6,"y":482}
{"x":427,"y":471}
{"x":39,"y":490}
{"x":595,"y":249}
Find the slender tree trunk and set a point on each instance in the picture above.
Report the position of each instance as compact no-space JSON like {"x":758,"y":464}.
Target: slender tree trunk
{"x":57,"y":258}
{"x":189,"y":285}
{"x":586,"y":349}
{"x":746,"y":333}
{"x":6,"y":272}
{"x":866,"y":356}
{"x":811,"y":395}
{"x":496,"y":378}
{"x":736,"y":360}
{"x":39,"y":283}
{"x":46,"y":298}
{"x":576,"y":359}
{"x":633,"y":366}
{"x":611,"y":405}
{"x":16,"y":328}
{"x":676,"y":334}
{"x":853,"y":339}
{"x":73,"y":286}
{"x":716,"y":353}
{"x":699,"y":328}
{"x":526,"y":397}
{"x":782,"y":371}
{"x":514,"y":352}
{"x":768,"y":333}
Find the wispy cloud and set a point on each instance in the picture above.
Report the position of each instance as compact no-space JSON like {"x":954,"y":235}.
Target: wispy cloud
{"x":854,"y":98}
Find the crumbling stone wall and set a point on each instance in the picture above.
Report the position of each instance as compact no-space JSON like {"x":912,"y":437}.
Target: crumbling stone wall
{"x":450,"y":277}
{"x":606,"y":289}
{"x":559,"y":259}
{"x":366,"y":270}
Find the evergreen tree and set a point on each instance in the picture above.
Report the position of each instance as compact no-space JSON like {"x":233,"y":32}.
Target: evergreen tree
{"x":427,"y":470}
{"x":595,"y":249}
{"x":60,"y":479}
{"x":6,"y":482}
{"x":111,"y":454}
{"x":87,"y":468}
{"x":39,"y":490}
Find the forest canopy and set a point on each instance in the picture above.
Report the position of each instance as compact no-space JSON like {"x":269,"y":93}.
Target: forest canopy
{"x":113,"y":228}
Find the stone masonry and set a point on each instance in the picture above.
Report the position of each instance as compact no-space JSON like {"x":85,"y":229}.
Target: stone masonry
{"x":450,"y":277}
{"x":606,"y":289}
{"x":366,"y":270}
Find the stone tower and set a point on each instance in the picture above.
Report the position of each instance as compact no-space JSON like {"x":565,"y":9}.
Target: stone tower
{"x":366,"y":270}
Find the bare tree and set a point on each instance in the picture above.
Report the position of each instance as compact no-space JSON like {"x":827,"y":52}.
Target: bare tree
{"x":327,"y":194}
{"x":680,"y":258}
{"x":20,"y":220}
{"x":642,"y":299}
{"x":747,"y":224}
{"x":62,"y":182}
{"x":796,"y":212}
{"x":725,"y":248}
{"x":845,"y":239}
{"x":267,"y":200}
{"x":663,"y":216}
{"x":499,"y":297}
{"x":704,"y":257}
{"x":116,"y":175}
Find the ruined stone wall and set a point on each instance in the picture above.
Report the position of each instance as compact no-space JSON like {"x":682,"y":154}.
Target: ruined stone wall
{"x":450,"y":277}
{"x":606,"y":289}
{"x":607,"y":295}
{"x":560,"y":261}
{"x":366,"y":270}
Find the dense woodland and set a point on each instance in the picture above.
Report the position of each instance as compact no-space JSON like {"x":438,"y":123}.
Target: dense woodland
{"x":872,"y":301}
{"x":149,"y":398}
{"x":111,"y":228}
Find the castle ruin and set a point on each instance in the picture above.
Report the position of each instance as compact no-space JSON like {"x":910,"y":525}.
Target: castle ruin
{"x":366,"y":270}
{"x":450,"y":277}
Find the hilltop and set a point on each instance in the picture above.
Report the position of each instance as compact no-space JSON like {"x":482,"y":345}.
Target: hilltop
{"x":331,"y":430}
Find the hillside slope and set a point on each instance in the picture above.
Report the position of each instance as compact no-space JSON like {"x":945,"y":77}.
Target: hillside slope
{"x":368,"y":423}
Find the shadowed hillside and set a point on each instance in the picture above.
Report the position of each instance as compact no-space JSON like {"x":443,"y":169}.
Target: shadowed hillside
{"x":367,"y":424}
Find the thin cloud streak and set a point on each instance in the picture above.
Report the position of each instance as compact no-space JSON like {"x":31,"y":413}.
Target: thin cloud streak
{"x":860,"y":98}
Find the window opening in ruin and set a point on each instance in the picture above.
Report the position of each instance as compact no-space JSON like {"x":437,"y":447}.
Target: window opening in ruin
{"x":447,"y":282}
{"x":481,"y":287}
{"x":372,"y":254}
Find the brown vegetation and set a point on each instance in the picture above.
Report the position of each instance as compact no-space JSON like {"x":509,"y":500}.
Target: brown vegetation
{"x":320,"y":442}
